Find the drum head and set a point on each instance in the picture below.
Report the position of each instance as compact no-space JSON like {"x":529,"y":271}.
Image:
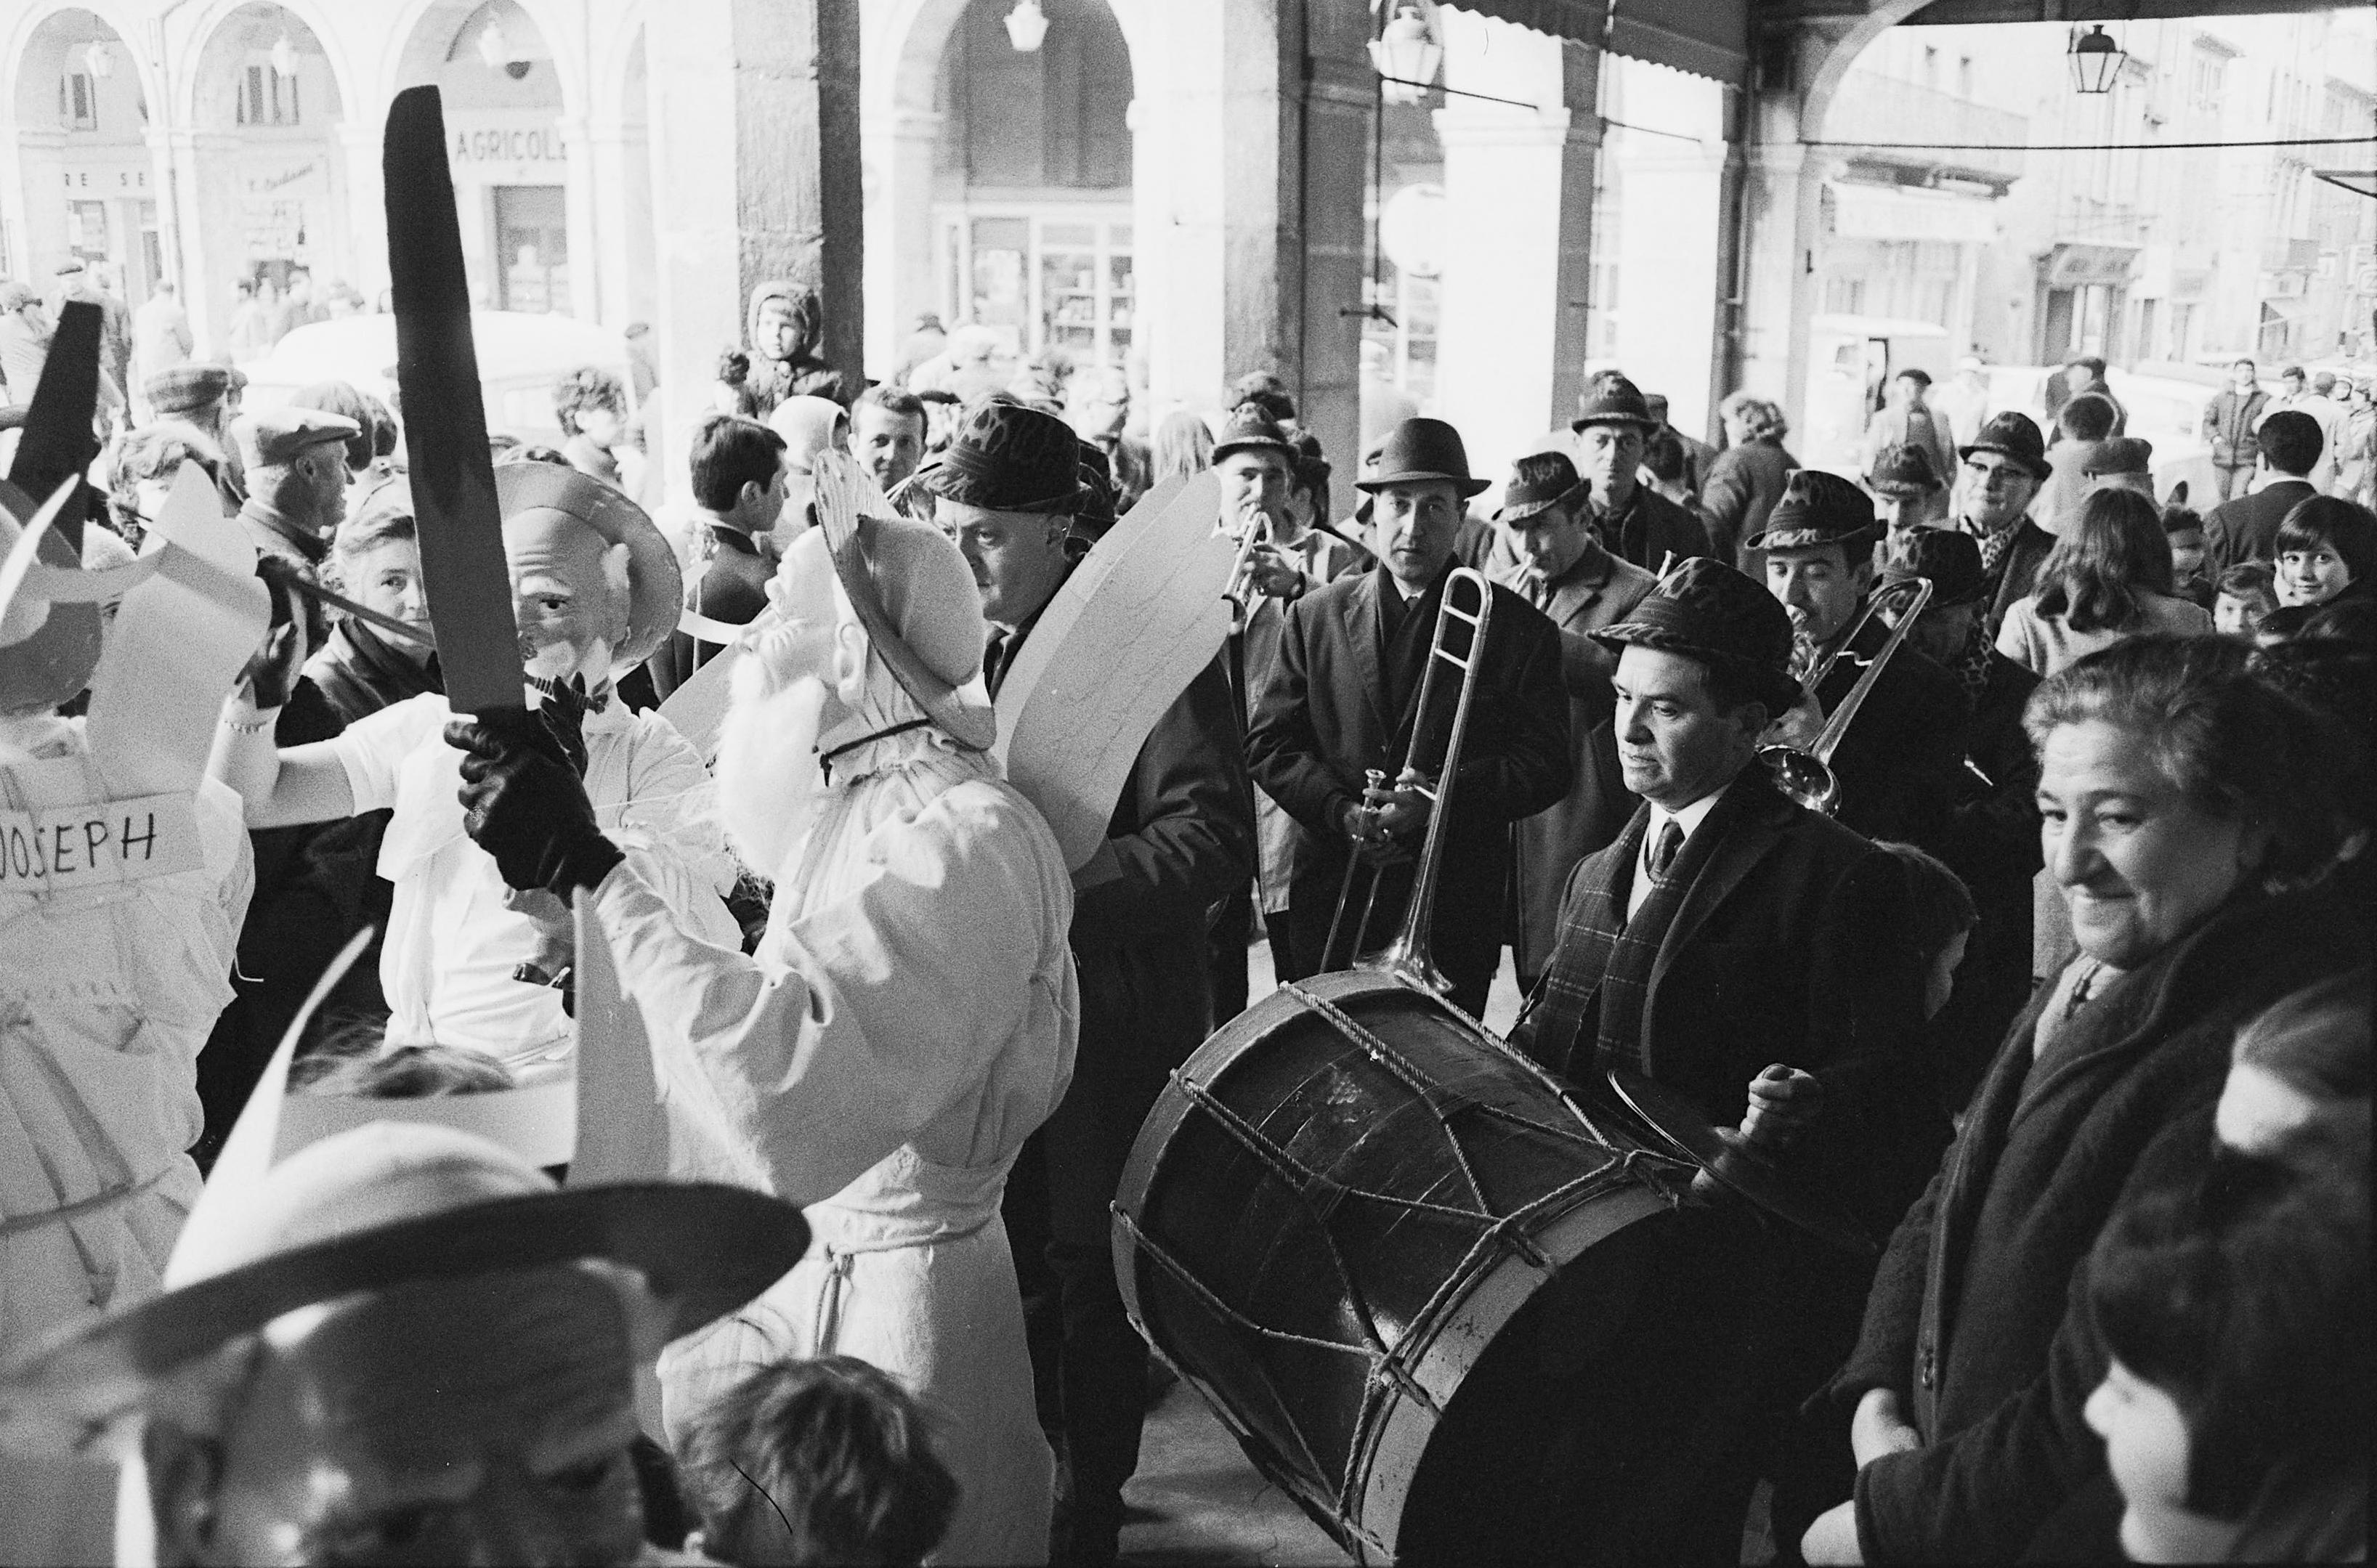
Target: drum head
{"x":1732,"y":1165}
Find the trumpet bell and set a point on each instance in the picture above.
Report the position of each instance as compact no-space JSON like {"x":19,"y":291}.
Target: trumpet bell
{"x":1801,"y":778}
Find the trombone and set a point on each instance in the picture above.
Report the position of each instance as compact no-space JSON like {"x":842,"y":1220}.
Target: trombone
{"x":1806,"y":777}
{"x":1407,"y":954}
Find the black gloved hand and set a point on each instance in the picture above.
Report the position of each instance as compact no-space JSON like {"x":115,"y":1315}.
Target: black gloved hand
{"x":524,"y":804}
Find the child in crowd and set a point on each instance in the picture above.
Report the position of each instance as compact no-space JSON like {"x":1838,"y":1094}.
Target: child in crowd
{"x":2325,"y":546}
{"x":2184,"y":530}
{"x":2245,"y":593}
{"x":822,"y":1461}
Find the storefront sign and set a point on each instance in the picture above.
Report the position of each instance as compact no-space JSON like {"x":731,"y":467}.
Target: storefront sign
{"x":103,"y":841}
{"x":507,"y":149}
{"x":280,"y":198}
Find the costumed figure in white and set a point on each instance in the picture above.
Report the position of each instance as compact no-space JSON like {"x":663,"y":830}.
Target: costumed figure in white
{"x":910,"y":1015}
{"x":467,"y":962}
{"x":125,"y":874}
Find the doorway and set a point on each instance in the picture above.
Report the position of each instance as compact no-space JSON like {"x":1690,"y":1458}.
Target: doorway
{"x":531,"y":249}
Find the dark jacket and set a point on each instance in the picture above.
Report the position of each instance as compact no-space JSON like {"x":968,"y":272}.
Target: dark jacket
{"x":1794,"y":943}
{"x":1650,"y":528}
{"x":1897,"y":762}
{"x":1992,"y":843}
{"x":1743,"y":485}
{"x":732,"y":586}
{"x":1182,"y":836}
{"x":1974,"y":1285}
{"x":1596,"y":592}
{"x":2247,"y":529}
{"x":1323,"y":718}
{"x":2231,"y":423}
{"x":2017,"y":573}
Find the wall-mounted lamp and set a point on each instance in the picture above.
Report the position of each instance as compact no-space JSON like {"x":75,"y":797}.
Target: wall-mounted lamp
{"x":284,"y":56}
{"x":2097,"y":61}
{"x":1405,"y":53}
{"x":1026,"y":26}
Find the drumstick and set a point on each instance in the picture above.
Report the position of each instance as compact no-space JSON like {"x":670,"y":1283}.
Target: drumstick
{"x":275,"y":569}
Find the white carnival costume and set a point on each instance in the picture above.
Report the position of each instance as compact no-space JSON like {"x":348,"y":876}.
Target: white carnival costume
{"x":908,"y":1020}
{"x":125,"y":874}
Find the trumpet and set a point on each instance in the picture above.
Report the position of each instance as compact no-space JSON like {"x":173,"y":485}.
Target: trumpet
{"x":1806,"y":777}
{"x":1239,"y":588}
{"x":1407,"y":954}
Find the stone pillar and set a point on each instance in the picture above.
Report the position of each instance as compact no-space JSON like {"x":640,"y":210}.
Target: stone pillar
{"x":587,"y":300}
{"x":1667,"y":267}
{"x":754,"y":125}
{"x":1786,"y":209}
{"x":206,"y":191}
{"x":619,"y":157}
{"x":359,"y":137}
{"x":1340,"y":98}
{"x":1518,"y":186}
{"x":898,"y":151}
{"x":38,"y":227}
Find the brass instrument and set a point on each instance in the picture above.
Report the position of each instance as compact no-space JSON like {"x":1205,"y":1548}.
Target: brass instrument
{"x":1806,"y":777}
{"x":1407,"y":956}
{"x":1239,"y":588}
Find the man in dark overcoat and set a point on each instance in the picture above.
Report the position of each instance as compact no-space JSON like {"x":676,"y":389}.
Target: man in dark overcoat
{"x":1613,"y":424}
{"x":1339,"y":701}
{"x":1729,"y":935}
{"x":1181,"y":839}
{"x":1548,"y":552}
{"x":1998,"y":475}
{"x":739,"y":489}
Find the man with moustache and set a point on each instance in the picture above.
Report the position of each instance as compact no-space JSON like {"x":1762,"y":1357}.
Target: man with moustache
{"x":1636,"y":523}
{"x":1180,"y":840}
{"x":595,"y":588}
{"x":907,"y":1020}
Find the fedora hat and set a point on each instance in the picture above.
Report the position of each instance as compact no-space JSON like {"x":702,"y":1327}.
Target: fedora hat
{"x":1706,"y":611}
{"x":1417,"y":450}
{"x":1539,"y":482}
{"x":1250,"y":429}
{"x":1950,"y":559}
{"x":1613,"y":399}
{"x":1904,"y":469}
{"x":655,"y":581}
{"x":1815,"y":509}
{"x":1008,"y":457}
{"x":2119,"y":455}
{"x":2014,"y":436}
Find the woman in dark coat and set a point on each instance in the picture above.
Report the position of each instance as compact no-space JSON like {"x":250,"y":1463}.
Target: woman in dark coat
{"x":2178,"y":791}
{"x":1746,"y":478}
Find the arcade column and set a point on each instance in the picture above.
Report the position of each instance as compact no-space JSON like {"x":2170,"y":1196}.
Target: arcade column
{"x":208,"y":209}
{"x":898,"y":153}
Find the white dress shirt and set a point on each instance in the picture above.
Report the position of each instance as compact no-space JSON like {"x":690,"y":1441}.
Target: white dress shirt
{"x":1689,"y":819}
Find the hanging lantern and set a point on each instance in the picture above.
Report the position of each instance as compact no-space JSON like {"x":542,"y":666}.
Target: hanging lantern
{"x":2097,"y":61}
{"x":1405,"y":53}
{"x":98,"y":60}
{"x":283,"y":57}
{"x":1026,"y":26}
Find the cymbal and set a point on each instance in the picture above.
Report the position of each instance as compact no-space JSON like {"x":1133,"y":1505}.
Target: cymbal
{"x":1733,"y":1164}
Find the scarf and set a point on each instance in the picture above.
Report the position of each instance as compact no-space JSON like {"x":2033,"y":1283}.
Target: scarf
{"x":1971,"y":665}
{"x":1993,"y":545}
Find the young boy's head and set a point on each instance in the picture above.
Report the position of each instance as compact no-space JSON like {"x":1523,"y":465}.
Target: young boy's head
{"x":824,"y":1461}
{"x":2248,"y":591}
{"x":1944,"y":918}
{"x":2184,"y":530}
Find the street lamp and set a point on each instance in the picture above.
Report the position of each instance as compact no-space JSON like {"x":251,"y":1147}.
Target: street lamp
{"x":98,"y":60}
{"x":283,"y":57}
{"x":1026,"y":26}
{"x":1406,"y":53}
{"x":2097,"y":60}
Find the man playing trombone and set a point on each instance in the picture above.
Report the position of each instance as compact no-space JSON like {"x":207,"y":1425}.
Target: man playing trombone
{"x":1897,"y":763}
{"x":1757,"y":959}
{"x":1337,"y":707}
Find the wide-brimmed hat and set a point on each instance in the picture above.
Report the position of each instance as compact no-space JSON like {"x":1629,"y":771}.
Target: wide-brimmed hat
{"x":1613,"y":399}
{"x":1006,"y":457}
{"x":1952,"y":560}
{"x":1553,"y":482}
{"x":655,"y":581}
{"x":1706,"y":611}
{"x":47,"y":650}
{"x":2013,"y":435}
{"x":1904,"y":469}
{"x":900,"y":577}
{"x":1816,"y":509}
{"x":1250,"y":429}
{"x":1418,"y":450}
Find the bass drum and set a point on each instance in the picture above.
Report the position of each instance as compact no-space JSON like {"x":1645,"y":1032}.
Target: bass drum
{"x":1403,"y":1266}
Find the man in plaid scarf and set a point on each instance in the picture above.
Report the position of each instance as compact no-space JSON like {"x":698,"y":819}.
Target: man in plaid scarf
{"x":1996,"y":478}
{"x":1757,"y":959}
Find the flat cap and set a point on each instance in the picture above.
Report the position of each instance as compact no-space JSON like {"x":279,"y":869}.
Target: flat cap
{"x":277,"y":435}
{"x":187,"y":387}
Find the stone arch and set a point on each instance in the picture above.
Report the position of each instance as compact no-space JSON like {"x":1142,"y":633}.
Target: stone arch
{"x":618,"y":80}
{"x":903,"y":55}
{"x":429,"y":28}
{"x":205,"y":93}
{"x":1816,"y":100}
{"x":27,"y":46}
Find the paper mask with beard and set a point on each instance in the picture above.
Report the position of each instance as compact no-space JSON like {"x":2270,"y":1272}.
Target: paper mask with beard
{"x":569,"y":595}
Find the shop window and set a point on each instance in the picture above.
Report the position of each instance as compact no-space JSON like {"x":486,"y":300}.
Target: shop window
{"x":87,"y":228}
{"x":77,"y":101}
{"x":2204,"y":79}
{"x":1042,"y":280}
{"x":268,"y":97}
{"x":1844,"y":296}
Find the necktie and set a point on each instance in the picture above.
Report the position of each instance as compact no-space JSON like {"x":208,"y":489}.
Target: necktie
{"x":1670,"y":844}
{"x":994,"y":660}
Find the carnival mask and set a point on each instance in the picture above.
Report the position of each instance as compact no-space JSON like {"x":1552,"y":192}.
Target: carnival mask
{"x":569,"y":596}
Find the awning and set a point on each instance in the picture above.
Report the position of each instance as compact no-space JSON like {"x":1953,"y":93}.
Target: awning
{"x":1901,"y":212}
{"x":1708,"y":38}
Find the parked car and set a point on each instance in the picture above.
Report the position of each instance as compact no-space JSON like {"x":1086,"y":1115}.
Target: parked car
{"x":521,"y":357}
